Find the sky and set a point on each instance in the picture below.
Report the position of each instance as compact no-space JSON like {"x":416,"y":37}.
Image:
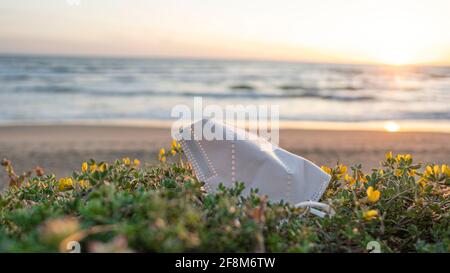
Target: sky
{"x":347,"y":31}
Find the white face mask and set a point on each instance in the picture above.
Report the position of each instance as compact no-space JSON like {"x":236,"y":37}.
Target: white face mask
{"x":277,"y":173}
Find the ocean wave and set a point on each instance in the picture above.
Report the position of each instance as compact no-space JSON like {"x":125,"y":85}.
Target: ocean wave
{"x":294,"y":87}
{"x":61,"y":69}
{"x":242,"y":87}
{"x":433,"y":115}
{"x":13,"y":78}
{"x":206,"y":94}
{"x":46,"y":89}
{"x":124,"y":78}
{"x":65,"y":86}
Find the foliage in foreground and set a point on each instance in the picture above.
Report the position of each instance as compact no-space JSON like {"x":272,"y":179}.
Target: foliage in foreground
{"x":123,"y":207}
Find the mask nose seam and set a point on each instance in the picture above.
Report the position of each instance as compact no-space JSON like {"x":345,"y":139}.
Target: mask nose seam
{"x":200,"y":174}
{"x":290,"y":174}
{"x":289,"y":183}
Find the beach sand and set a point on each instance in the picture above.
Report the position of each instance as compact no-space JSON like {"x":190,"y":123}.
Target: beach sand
{"x":60,"y":149}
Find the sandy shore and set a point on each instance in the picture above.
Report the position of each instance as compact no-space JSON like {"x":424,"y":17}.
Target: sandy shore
{"x":62,"y":148}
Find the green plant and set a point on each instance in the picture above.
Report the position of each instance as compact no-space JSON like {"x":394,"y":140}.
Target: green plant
{"x":125,"y":207}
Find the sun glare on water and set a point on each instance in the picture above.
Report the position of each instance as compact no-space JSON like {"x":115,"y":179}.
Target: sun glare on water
{"x":391,"y":126}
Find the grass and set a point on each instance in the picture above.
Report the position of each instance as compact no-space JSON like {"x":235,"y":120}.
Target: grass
{"x":123,"y":207}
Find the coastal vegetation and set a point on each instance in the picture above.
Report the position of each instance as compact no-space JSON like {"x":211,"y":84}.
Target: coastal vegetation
{"x":125,"y":206}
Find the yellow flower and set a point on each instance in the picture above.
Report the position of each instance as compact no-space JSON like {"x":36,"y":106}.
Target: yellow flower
{"x":362,"y":178}
{"x":422,"y":182}
{"x":436,"y":170}
{"x":126,"y":161}
{"x":389,"y":155}
{"x":69,"y":181}
{"x":398,"y":172}
{"x":412,"y":172}
{"x":381,"y":172}
{"x":65,"y":183}
{"x":446,"y":170}
{"x":84,"y":184}
{"x":373,"y":195}
{"x":84,"y":167}
{"x":326,"y":169}
{"x":369,"y":215}
{"x":102,"y":167}
{"x":93,"y":168}
{"x":428,"y":171}
{"x":136,"y":162}
{"x":350,"y":179}
{"x":162,"y":155}
{"x":342,"y":169}
{"x":175,"y":144}
{"x":173,"y":151}
{"x":62,"y":182}
{"x":400,"y":157}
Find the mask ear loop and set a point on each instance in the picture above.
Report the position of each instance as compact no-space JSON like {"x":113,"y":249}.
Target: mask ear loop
{"x":310,"y":204}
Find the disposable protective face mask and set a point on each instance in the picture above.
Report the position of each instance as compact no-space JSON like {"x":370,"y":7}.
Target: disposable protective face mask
{"x":232,"y":156}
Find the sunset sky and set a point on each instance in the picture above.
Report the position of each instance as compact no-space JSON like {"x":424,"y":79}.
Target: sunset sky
{"x":377,"y":31}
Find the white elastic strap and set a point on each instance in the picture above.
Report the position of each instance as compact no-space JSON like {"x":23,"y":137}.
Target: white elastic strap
{"x":328,"y":210}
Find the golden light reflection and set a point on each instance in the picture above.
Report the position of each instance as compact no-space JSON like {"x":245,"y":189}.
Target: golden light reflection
{"x":391,"y":126}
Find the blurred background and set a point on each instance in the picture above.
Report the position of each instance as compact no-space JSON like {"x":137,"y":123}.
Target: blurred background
{"x":65,"y":60}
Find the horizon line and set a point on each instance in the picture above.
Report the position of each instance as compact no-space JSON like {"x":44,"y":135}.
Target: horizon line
{"x":230,"y":59}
